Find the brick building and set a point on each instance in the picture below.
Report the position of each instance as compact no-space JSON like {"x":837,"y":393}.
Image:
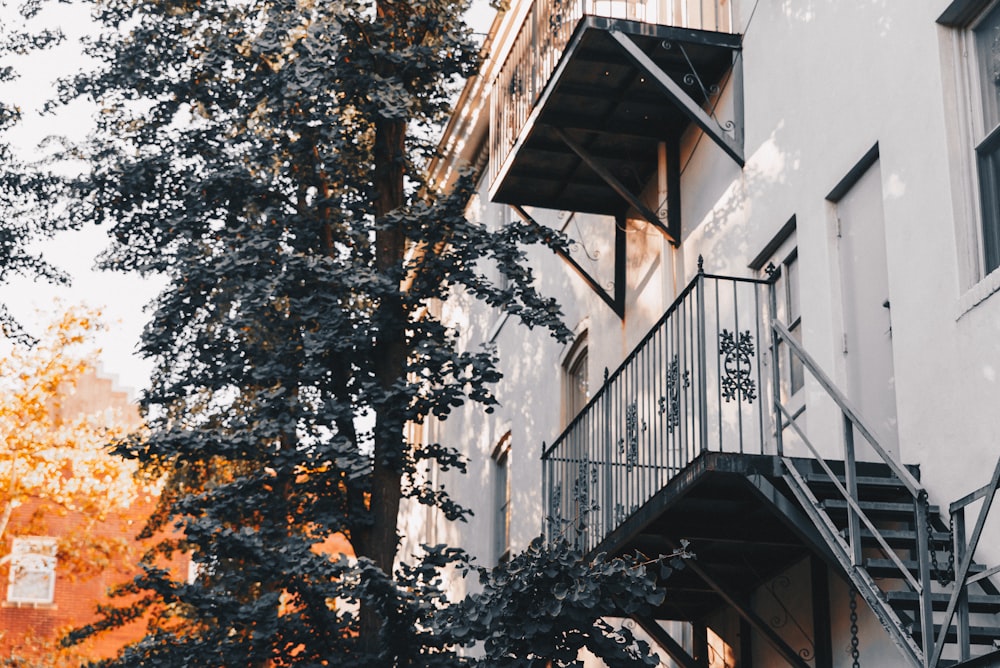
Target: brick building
{"x":68,"y":559}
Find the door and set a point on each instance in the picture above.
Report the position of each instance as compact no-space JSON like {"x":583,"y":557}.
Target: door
{"x":867,"y":308}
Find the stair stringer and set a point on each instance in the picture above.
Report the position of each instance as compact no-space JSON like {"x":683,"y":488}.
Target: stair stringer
{"x":857,"y":574}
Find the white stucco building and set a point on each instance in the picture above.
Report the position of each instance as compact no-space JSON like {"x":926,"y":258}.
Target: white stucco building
{"x":836,"y":167}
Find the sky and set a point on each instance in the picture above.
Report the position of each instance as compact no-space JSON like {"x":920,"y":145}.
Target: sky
{"x":120,"y":297}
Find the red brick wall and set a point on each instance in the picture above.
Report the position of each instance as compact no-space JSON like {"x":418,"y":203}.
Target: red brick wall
{"x":81,"y":583}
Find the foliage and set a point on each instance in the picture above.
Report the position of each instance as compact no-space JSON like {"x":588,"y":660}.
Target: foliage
{"x":549,"y":602}
{"x":56,"y":471}
{"x":267,"y":157}
{"x":25,"y":190}
{"x":54,"y":453}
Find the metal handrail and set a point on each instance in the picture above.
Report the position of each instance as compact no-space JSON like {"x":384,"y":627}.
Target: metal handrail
{"x":911,"y":483}
{"x":692,"y":384}
{"x":669,"y":313}
{"x":987,"y":493}
{"x":852,"y":502}
{"x":854,"y":421}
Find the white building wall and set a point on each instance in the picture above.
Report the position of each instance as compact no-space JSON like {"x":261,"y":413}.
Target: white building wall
{"x":823,"y":81}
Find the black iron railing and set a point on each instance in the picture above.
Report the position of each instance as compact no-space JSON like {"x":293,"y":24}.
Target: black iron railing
{"x":542,"y":38}
{"x":694,"y":384}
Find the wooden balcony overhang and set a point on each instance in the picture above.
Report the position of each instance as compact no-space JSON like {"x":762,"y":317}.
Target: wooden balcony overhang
{"x":590,"y":142}
{"x":742,"y":528}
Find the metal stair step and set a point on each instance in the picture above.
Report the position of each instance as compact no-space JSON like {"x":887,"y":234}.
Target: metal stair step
{"x":878,"y":509}
{"x":909,"y":600}
{"x":886,"y":568}
{"x":884,"y":482}
{"x":902,"y":538}
{"x":978,"y":635}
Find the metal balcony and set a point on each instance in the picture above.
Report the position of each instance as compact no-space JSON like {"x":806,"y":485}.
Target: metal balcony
{"x":693,"y":385}
{"x":690,"y":442}
{"x":591,"y":87}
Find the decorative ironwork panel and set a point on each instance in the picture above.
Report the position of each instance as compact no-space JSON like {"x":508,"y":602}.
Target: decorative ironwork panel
{"x":737,"y":352}
{"x":668,"y":402}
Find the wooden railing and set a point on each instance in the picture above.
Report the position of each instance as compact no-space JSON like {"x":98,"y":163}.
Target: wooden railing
{"x":543,"y":36}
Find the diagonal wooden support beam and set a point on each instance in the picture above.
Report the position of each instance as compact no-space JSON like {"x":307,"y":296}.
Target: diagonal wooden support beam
{"x":615,"y":184}
{"x":666,"y":641}
{"x":743,"y":609}
{"x":616,"y":302}
{"x":677,"y":95}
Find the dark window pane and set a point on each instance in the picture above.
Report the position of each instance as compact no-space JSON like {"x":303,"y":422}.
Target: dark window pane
{"x":989,"y":190}
{"x":987,"y":35}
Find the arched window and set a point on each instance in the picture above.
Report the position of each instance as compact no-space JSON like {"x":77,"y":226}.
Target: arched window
{"x":576,"y":379}
{"x":501,"y":499}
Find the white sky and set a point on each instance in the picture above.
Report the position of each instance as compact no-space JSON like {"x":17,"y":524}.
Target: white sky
{"x":120,"y":297}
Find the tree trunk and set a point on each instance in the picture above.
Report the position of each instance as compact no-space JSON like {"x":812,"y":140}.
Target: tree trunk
{"x":380,"y":540}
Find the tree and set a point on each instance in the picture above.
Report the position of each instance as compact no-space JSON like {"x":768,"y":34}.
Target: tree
{"x":548,"y":603}
{"x":25,"y":191}
{"x":52,"y":454}
{"x":267,"y":157}
{"x":54,"y":464}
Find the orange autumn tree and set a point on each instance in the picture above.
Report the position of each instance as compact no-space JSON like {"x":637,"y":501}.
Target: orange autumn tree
{"x":58,"y":479}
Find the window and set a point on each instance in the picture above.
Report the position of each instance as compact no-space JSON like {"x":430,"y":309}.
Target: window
{"x":501,"y":499}
{"x":576,"y":382}
{"x":986,"y":46}
{"x":788,"y":293}
{"x":780,"y":260}
{"x":32,"y":571}
{"x":977,"y":91}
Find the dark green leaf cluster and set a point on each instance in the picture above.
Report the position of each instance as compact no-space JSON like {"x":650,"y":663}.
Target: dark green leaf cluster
{"x":267,"y":157}
{"x":549,"y":602}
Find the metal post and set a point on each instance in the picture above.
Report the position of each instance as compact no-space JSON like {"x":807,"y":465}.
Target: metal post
{"x":924,"y":548}
{"x":775,"y":369}
{"x":702,"y":388}
{"x":609,"y":458}
{"x":546,"y":495}
{"x":958,"y":520}
{"x":850,"y":477}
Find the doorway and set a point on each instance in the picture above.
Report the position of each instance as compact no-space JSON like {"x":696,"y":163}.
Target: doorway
{"x":867,"y":307}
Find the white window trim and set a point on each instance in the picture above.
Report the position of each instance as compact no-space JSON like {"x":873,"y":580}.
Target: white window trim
{"x":501,"y":458}
{"x":573,"y":354}
{"x":962,"y":17}
{"x":37,"y":554}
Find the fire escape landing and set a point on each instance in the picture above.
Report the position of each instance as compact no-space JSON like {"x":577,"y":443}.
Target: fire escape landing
{"x":692,"y":439}
{"x":587,"y":108}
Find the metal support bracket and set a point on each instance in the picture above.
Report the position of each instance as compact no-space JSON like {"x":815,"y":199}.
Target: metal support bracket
{"x":743,"y":609}
{"x":616,"y":185}
{"x":666,"y":641}
{"x":680,"y":98}
{"x":616,"y":301}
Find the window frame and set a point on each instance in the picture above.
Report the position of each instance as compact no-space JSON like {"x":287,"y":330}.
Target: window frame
{"x":501,"y":499}
{"x":577,"y":360}
{"x":985,"y":144}
{"x":41,"y":555}
{"x":972,"y":141}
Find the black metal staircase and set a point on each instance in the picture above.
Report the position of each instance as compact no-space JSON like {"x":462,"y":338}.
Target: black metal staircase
{"x":888,"y":505}
{"x":678,"y":443}
{"x":913,"y":568}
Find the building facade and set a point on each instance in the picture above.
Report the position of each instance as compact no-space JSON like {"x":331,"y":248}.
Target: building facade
{"x":61,"y":559}
{"x":785,"y":232}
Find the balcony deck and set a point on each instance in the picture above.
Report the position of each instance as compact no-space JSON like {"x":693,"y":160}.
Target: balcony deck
{"x":695,"y":384}
{"x":567,"y":77}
